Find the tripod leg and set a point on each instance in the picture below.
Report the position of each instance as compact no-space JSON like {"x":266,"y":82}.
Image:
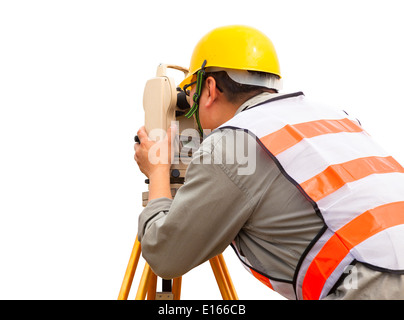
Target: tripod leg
{"x":177,"y":288}
{"x":220,"y":278}
{"x":151,"y":290}
{"x":144,"y":283}
{"x":233,"y":293}
{"x":130,"y":271}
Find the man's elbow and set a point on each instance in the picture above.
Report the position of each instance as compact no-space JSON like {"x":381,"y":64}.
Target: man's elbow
{"x":165,"y":266}
{"x":166,"y":273}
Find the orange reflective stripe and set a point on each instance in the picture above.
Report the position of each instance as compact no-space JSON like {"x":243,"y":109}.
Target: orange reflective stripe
{"x":335,"y":176}
{"x":262,"y":278}
{"x":290,"y":135}
{"x":338,"y":246}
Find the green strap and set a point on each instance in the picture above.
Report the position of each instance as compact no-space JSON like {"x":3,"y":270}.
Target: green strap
{"x":197,"y":95}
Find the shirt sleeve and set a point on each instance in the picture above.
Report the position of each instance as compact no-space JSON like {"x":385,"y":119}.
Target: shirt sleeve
{"x":205,"y":216}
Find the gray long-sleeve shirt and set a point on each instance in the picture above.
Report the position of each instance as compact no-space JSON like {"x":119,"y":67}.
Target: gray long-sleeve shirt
{"x":271,"y":222}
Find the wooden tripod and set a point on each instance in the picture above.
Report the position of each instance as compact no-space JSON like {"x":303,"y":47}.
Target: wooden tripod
{"x":148,"y":281}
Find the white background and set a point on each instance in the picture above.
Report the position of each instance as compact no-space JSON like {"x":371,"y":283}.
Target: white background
{"x":72,"y":75}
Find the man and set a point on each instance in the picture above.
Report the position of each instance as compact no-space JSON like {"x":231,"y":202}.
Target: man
{"x":321,"y":216}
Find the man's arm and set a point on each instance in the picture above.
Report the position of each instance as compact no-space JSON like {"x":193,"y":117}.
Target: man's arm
{"x":206,"y":214}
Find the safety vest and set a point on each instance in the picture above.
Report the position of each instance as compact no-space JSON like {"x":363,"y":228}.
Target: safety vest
{"x":352,"y":183}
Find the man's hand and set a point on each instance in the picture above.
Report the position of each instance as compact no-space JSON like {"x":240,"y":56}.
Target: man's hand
{"x":154,"y":160}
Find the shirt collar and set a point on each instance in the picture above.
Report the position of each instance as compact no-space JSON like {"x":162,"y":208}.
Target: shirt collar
{"x":256,"y":100}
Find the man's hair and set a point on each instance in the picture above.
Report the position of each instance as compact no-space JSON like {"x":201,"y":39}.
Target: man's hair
{"x":237,"y":92}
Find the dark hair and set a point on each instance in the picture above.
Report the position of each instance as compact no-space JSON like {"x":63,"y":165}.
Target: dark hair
{"x":234,"y":91}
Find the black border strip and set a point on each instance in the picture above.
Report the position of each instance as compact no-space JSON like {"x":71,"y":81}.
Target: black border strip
{"x":256,"y":270}
{"x":285,"y":96}
{"x":380,"y":269}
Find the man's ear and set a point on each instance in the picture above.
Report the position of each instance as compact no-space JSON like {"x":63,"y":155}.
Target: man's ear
{"x":211,"y":91}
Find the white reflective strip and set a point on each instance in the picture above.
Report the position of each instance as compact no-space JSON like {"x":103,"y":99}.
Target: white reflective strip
{"x":285,"y":289}
{"x":268,"y":118}
{"x":308,"y":259}
{"x":300,"y":110}
{"x":384,"y":249}
{"x":359,"y":196}
{"x":336,"y":275}
{"x":314,"y":155}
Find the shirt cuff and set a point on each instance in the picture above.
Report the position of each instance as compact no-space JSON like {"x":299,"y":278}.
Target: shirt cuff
{"x":155,"y":210}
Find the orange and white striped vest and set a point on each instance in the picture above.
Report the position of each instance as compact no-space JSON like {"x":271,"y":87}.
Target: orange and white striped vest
{"x":352,"y":183}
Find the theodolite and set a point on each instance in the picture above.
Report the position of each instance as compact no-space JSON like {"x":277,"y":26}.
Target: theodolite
{"x":165,"y":103}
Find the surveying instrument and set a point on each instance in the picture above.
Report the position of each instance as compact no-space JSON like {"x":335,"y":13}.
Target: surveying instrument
{"x":163,"y":103}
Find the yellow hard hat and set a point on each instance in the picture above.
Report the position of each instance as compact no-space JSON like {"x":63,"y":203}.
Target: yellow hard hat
{"x":234,"y":47}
